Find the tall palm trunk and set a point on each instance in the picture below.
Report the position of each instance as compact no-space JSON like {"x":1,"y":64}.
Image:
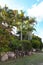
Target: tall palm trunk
{"x":21,"y":31}
{"x":29,"y":35}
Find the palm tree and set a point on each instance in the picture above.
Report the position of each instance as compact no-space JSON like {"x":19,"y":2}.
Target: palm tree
{"x":19,"y":19}
{"x":31,"y":27}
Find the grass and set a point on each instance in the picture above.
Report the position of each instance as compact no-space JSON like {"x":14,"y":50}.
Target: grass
{"x":36,"y":59}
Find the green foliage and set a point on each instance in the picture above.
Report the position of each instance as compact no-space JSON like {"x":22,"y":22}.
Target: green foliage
{"x":36,"y":42}
{"x":15,"y":45}
{"x":4,"y":49}
{"x":20,"y":45}
{"x":26,"y":45}
{"x":25,"y":26}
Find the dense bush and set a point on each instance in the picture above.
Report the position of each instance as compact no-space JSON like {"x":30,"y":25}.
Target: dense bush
{"x":20,"y":45}
{"x":36,"y":42}
{"x":26,"y":45}
{"x":15,"y":45}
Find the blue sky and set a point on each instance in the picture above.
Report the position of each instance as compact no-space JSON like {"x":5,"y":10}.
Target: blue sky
{"x":32,"y":8}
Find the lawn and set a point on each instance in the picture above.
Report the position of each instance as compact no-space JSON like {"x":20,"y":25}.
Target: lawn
{"x":36,"y":59}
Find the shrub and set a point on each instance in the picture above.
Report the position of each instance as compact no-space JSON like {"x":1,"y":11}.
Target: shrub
{"x":36,"y":44}
{"x":15,"y":45}
{"x":26,"y":45}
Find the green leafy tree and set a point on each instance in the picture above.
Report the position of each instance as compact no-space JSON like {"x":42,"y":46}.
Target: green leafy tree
{"x":36,"y":42}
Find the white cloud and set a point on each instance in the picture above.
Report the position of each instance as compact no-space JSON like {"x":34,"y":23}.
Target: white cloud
{"x":36,"y":11}
{"x":11,"y":4}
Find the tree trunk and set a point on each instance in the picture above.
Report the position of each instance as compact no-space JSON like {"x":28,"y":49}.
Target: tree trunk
{"x":29,"y":35}
{"x":21,"y":31}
